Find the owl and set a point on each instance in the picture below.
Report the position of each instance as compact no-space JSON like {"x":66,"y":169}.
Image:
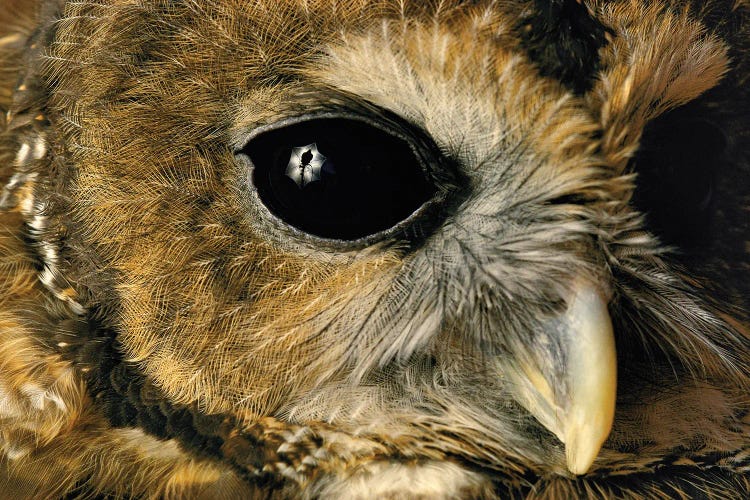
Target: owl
{"x":368,"y":249}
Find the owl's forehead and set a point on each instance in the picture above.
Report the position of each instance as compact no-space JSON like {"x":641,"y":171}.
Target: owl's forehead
{"x":406,"y":55}
{"x":468,"y":92}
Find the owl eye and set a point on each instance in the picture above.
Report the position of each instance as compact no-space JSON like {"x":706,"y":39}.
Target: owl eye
{"x":678,"y":165}
{"x":339,"y":178}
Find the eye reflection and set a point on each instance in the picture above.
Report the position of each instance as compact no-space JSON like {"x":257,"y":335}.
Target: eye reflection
{"x":305,"y":165}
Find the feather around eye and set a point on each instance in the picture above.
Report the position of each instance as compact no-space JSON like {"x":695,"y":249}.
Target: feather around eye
{"x":374,"y":249}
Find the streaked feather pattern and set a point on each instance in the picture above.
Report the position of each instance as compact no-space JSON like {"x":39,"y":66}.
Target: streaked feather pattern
{"x":163,"y":335}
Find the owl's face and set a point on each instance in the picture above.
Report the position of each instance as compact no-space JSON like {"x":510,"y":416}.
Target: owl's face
{"x":392,"y":217}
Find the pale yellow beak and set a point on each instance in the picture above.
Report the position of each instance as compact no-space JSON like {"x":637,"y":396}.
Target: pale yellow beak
{"x":578,"y":405}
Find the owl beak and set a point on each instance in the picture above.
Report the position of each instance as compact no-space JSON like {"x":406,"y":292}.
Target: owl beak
{"x":576,"y":399}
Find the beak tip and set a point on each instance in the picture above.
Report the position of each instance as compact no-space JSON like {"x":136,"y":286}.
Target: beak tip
{"x":579,"y":468}
{"x":580,"y":456}
{"x":586,"y":432}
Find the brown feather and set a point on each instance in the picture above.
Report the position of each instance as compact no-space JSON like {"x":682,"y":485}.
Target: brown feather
{"x":163,"y":334}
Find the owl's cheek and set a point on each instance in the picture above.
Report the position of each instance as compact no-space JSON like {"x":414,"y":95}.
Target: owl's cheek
{"x":223,"y":346}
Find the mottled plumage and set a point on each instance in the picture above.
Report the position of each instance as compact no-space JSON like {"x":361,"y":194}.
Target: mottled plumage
{"x":170,"y":328}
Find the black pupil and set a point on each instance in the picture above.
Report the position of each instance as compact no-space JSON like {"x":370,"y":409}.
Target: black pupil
{"x":337,"y":178}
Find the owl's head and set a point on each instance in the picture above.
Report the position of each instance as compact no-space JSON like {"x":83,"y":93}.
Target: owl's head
{"x":477,"y":230}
